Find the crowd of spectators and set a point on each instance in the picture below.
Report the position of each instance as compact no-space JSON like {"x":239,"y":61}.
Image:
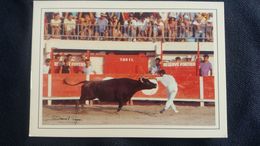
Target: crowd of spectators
{"x":129,"y":26}
{"x":66,"y":64}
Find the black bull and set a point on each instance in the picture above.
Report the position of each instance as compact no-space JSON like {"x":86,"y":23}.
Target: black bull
{"x":118,"y":90}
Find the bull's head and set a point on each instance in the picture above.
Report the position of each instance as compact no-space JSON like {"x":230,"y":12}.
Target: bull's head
{"x":147,"y":84}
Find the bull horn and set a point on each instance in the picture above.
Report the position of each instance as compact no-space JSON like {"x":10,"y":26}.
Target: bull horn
{"x":141,"y":79}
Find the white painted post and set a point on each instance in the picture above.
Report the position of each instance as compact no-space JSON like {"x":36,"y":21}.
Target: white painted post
{"x":49,"y":88}
{"x":88,"y":102}
{"x":201,"y":92}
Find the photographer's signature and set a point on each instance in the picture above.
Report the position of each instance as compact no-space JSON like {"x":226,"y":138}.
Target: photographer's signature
{"x":65,"y":118}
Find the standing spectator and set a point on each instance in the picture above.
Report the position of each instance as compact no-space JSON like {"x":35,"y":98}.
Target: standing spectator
{"x":172,"y":27}
{"x":160,"y":29}
{"x":46,"y":66}
{"x":116,"y":31}
{"x":205,"y":66}
{"x":132,"y":26}
{"x":187,"y":23}
{"x":156,"y":67}
{"x":85,"y":27}
{"x":172,"y":88}
{"x":65,"y":68}
{"x":181,"y":28}
{"x":88,"y":69}
{"x":56,"y":26}
{"x":199,"y":27}
{"x":102,"y":24}
{"x":70,"y":26}
{"x":209,"y":28}
{"x":141,"y":27}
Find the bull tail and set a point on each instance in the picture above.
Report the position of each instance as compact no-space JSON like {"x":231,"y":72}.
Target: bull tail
{"x":67,"y":83}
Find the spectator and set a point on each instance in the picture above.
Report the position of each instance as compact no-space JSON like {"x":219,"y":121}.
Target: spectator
{"x":172,"y":27}
{"x":160,"y":30}
{"x":181,"y":28}
{"x":141,"y":26}
{"x":156,"y":67}
{"x":46,"y":66}
{"x":65,"y":68}
{"x":178,"y":60}
{"x":102,"y":24}
{"x":188,"y":58}
{"x":70,"y":26}
{"x":199,"y":27}
{"x":205,"y":66}
{"x":141,"y":29}
{"x":56,"y":26}
{"x":85,"y":27}
{"x":116,"y":31}
{"x":209,"y":29}
{"x":132,"y":26}
{"x":57,"y":63}
{"x":88,"y":69}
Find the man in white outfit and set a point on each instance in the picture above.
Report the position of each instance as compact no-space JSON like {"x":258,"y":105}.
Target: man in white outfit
{"x":169,"y":82}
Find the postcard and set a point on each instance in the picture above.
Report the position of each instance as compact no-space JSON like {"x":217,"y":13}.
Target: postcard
{"x":128,"y":69}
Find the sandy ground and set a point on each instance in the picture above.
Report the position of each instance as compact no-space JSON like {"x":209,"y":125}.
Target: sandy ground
{"x":134,"y":114}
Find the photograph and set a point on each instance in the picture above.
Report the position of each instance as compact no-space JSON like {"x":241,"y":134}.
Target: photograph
{"x":128,"y":69}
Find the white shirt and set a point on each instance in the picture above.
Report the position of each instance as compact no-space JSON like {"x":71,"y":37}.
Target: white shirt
{"x":88,"y":70}
{"x":169,"y":82}
{"x":70,"y":24}
{"x":55,"y":22}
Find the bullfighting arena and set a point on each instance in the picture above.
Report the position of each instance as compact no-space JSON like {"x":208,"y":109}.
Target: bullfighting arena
{"x":130,"y":114}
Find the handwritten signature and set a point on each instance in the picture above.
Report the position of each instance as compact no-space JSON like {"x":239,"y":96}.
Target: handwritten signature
{"x":65,"y":118}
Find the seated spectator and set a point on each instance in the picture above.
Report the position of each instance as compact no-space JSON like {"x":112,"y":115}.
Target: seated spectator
{"x":56,"y":26}
{"x":88,"y":69}
{"x":65,"y":68}
{"x":69,"y":26}
{"x":46,"y":66}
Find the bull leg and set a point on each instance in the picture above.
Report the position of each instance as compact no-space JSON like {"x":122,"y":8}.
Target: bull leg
{"x":120,"y":105}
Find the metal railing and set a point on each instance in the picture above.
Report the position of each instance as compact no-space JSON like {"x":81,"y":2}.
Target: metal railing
{"x":192,"y":33}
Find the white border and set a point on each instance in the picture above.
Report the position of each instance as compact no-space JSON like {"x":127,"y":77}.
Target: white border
{"x":219,"y":130}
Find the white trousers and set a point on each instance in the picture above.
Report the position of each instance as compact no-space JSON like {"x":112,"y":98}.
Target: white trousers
{"x":169,"y":103}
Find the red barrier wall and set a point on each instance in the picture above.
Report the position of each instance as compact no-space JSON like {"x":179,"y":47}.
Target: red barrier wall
{"x":45,"y":85}
{"x":125,"y":64}
{"x":59,"y":89}
{"x":189,"y":86}
{"x":209,"y":90}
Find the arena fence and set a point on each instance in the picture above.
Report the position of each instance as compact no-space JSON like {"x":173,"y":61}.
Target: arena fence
{"x":193,"y":88}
